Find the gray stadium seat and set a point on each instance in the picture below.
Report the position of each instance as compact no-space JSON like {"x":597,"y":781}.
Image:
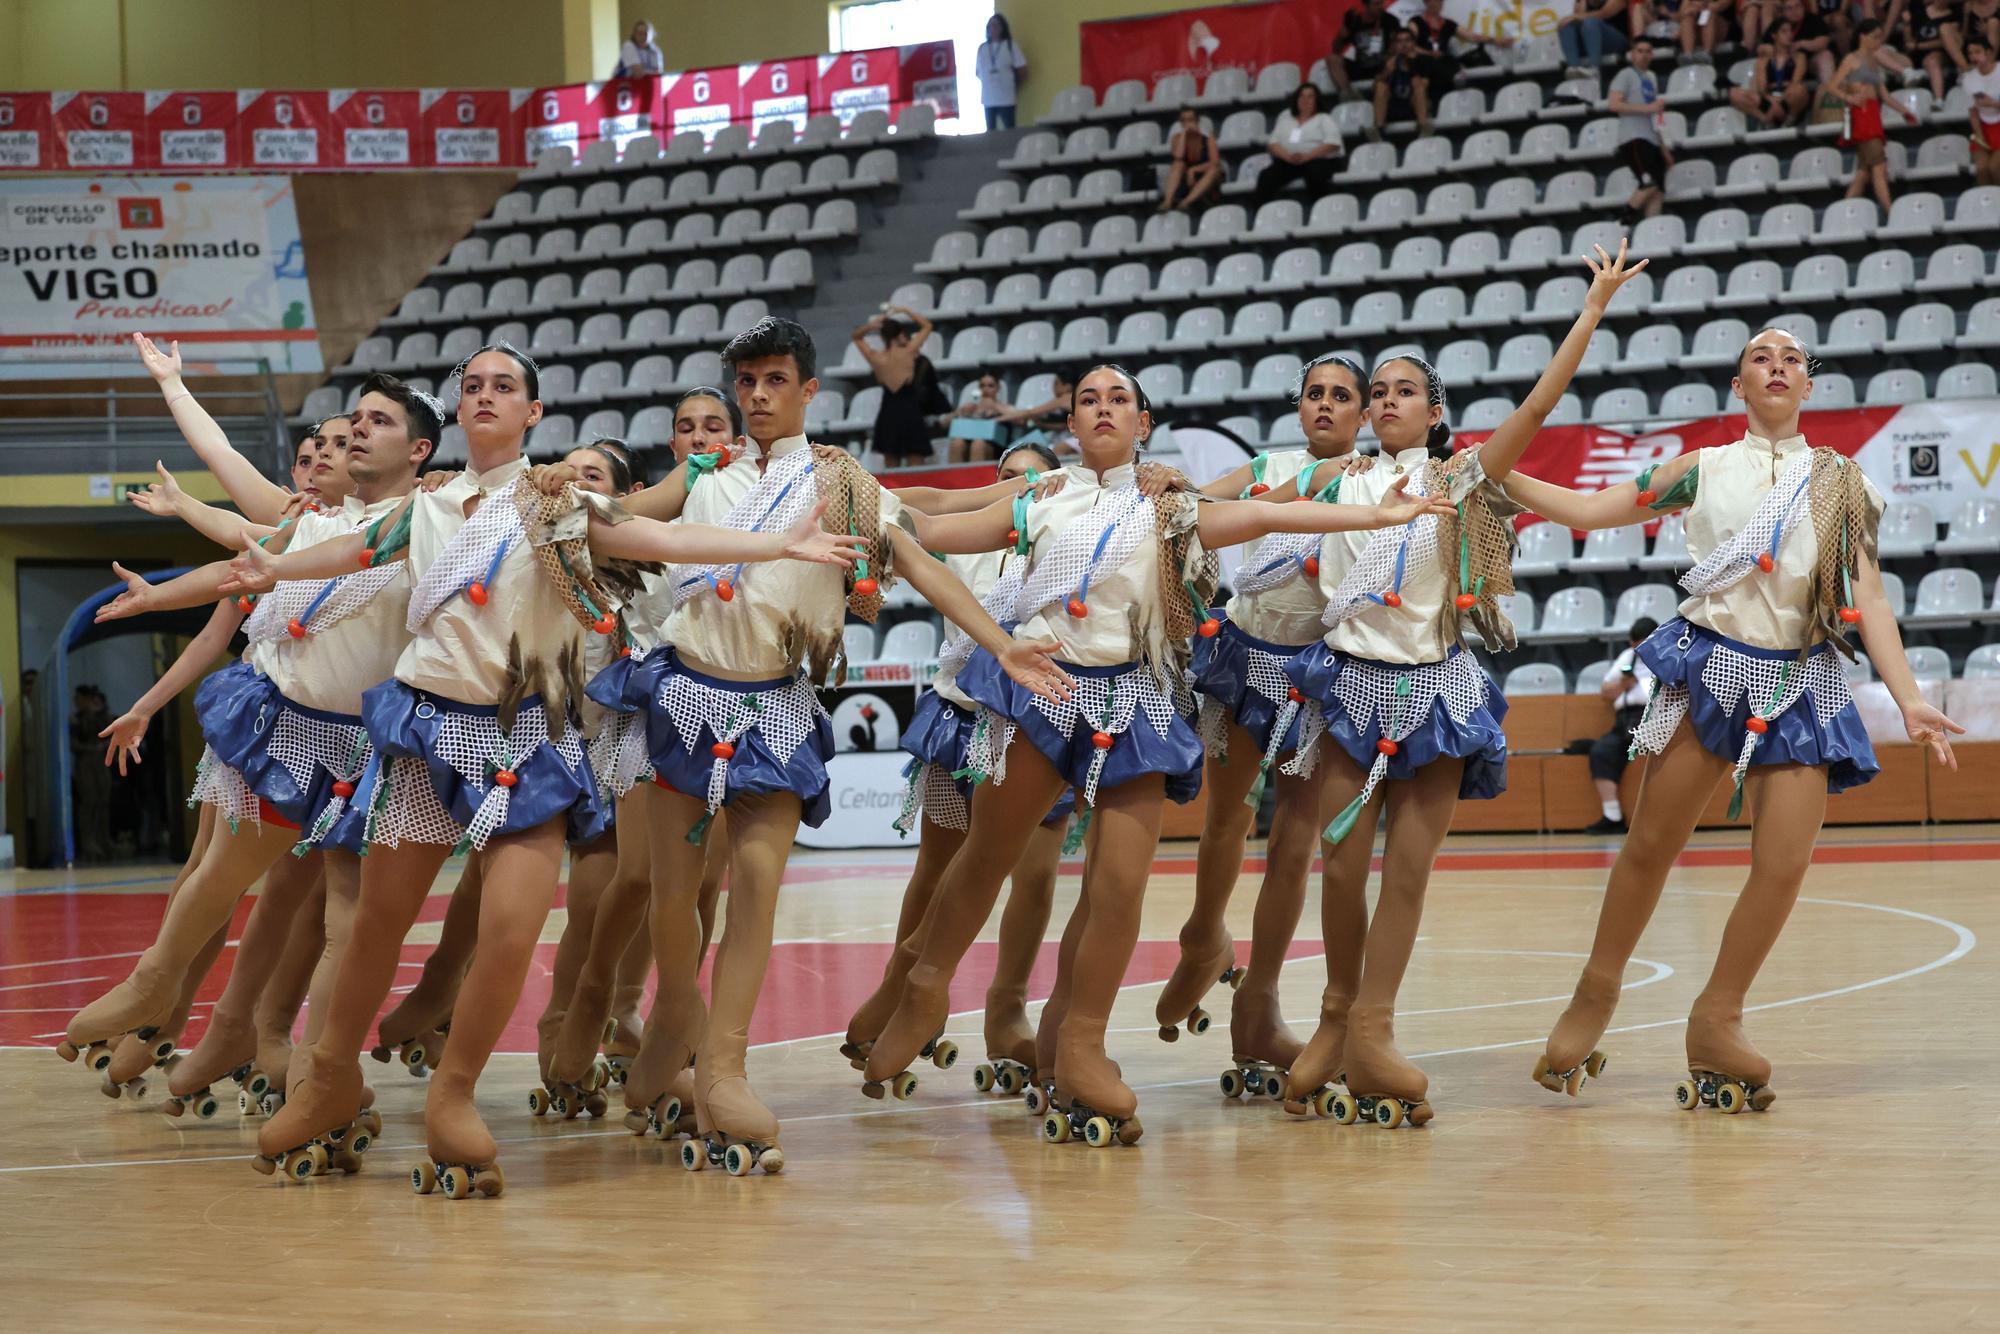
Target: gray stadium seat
{"x":1975,"y":528}
{"x":1951,"y":592}
{"x":1685,"y":402}
{"x":1438,"y":309}
{"x":1832,"y":390}
{"x":1658,"y":601}
{"x":1967,"y":380}
{"x":1883,"y":274}
{"x":1611,"y":548}
{"x":1855,"y":333}
{"x":1497,"y":305}
{"x":1895,"y":386}
{"x":1545,"y":548}
{"x":1669,"y":546}
{"x":1536,"y":678}
{"x":1572,"y":611}
{"x":1927,"y":327}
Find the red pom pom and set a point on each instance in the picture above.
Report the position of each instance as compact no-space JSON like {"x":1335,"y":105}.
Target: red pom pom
{"x":1466,"y":601}
{"x":343,"y":789}
{"x":1764,"y":562}
{"x":605,"y":624}
{"x":294,"y":629}
{"x":624,"y":650}
{"x":1258,"y":488}
{"x":722,"y":750}
{"x":1077,"y":609}
{"x":1013,"y":534}
{"x":725,"y":590}
{"x":1757,"y":725}
{"x":244,"y":602}
{"x":1386,"y":746}
{"x":1392,"y":599}
{"x":1293,"y":694}
{"x":1209,"y":628}
{"x":1850,"y":615}
{"x":1648,"y":496}
{"x":865,"y":588}
{"x":1101,"y":740}
{"x":367,"y":557}
{"x":1312,"y":565}
{"x":477,"y":592}
{"x":505,"y":777}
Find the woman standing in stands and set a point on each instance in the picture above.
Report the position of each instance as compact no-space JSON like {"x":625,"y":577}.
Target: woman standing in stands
{"x":1858,"y":82}
{"x":1002,"y":69}
{"x":1752,"y":690}
{"x":912,"y":399}
{"x":1411,"y":724}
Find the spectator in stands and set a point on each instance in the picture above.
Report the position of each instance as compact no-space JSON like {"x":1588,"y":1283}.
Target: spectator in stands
{"x":1002,"y":69}
{"x":1361,"y":48}
{"x":1590,"y":32}
{"x":1812,"y":39}
{"x":1635,"y":99}
{"x":640,"y":56}
{"x":986,"y":405}
{"x":1932,"y":38}
{"x":1981,"y":20}
{"x":912,"y":399}
{"x":1859,"y":81}
{"x":1400,"y":91}
{"x":1839,"y":22}
{"x":1049,"y":421}
{"x":1983,"y":82}
{"x":1436,"y":63}
{"x":1193,"y":161}
{"x":1704,"y":23}
{"x":1777,"y":94}
{"x":1626,"y":688}
{"x":1661,"y":19}
{"x":1305,"y":146}
{"x":1755,"y":18}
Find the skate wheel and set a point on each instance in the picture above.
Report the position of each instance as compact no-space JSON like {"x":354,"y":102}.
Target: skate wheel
{"x":772,"y":1161}
{"x":1036,"y":1100}
{"x":1008,"y":1080}
{"x":693,"y":1156}
{"x":1594,"y":1066}
{"x":597,"y":1105}
{"x":317,"y":1155}
{"x":1344,"y":1108}
{"x":1198,"y":1022}
{"x":100,"y":1058}
{"x":1232,"y":1084}
{"x":424,"y":1177}
{"x":371,"y":1121}
{"x":903,"y":1086}
{"x":538,"y":1101}
{"x":359,"y":1143}
{"x":670,"y":1116}
{"x":618,"y":1077}
{"x":270,"y":1103}
{"x":259,"y":1085}
{"x":162,"y":1050}
{"x":296,"y":1165}
{"x":489,"y":1181}
{"x":945,"y":1055}
{"x":1234,"y":977}
{"x":1055,"y":1128}
{"x":1274,"y":1087}
{"x":736,"y":1161}
{"x":244,"y":1102}
{"x":1687,"y":1094}
{"x":206,"y":1108}
{"x":982,"y":1078}
{"x":413,"y":1057}
{"x":1097,"y":1132}
{"x":1388,"y":1113}
{"x":597,"y":1076}
{"x":610,"y":1032}
{"x":1730,"y":1098}
{"x":1574,"y":1082}
{"x":1168,"y":1033}
{"x":456,"y":1186}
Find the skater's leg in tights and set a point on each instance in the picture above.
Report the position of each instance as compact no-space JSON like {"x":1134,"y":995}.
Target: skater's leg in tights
{"x":325,"y":1078}
{"x":714,"y":875}
{"x":1023,"y":922}
{"x":936,"y":846}
{"x":762,"y":829}
{"x":634,"y":967}
{"x":1673,"y":792}
{"x":231,"y":1037}
{"x":1003,"y":816}
{"x":231,"y":863}
{"x":1206,"y":947}
{"x":1127,"y":828}
{"x":620,"y":914}
{"x":590,"y":870}
{"x":1787,"y":805}
{"x":1257,"y":1028}
{"x":1343,"y":920}
{"x":278,"y":1008}
{"x":1057,"y":1004}
{"x":519,"y":876}
{"x":343,"y":894}
{"x":428,"y":1005}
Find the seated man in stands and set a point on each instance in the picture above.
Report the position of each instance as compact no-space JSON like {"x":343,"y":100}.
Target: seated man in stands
{"x":1400,"y":91}
{"x":1361,"y":48}
{"x":1626,"y":688}
{"x":1194,"y":162}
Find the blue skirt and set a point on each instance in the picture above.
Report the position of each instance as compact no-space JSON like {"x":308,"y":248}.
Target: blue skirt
{"x":939,"y":733}
{"x":238,"y":708}
{"x":1479,"y":740}
{"x":1794,"y":736}
{"x":1142,"y":749}
{"x":684,"y":763}
{"x":406,"y":723}
{"x":1222,"y":671}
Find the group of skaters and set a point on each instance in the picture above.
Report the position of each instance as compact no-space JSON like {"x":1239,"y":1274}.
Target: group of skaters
{"x":511,"y":661}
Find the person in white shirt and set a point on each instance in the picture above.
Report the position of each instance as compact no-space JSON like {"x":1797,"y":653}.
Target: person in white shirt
{"x":1982,"y":80}
{"x":1626,"y":688}
{"x":640,"y":56}
{"x":1002,"y":69}
{"x":1305,"y":147}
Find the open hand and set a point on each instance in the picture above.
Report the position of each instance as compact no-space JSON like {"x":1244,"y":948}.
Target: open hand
{"x":255,"y":571}
{"x":1610,"y":275}
{"x":162,"y":366}
{"x":125,"y":734}
{"x":809,"y":542}
{"x":1927,"y":727}
{"x":160,"y":498}
{"x":1396,"y":509}
{"x":1032,"y":663}
{"x":134,"y":601}
{"x":296,"y":506}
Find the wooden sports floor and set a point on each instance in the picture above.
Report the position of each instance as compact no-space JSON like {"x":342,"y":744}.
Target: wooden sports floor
{"x":1869,"y":1196}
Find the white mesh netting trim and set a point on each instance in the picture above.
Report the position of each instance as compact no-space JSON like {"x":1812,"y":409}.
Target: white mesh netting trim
{"x":1103,"y":703}
{"x":1278,"y":559}
{"x":469,"y":554}
{"x":469,"y":743}
{"x":784,"y":717}
{"x":1374,"y":570}
{"x":217,"y":784}
{"x":1788,"y":503}
{"x":1059,"y":571}
{"x":302,"y":744}
{"x":788,"y":477}
{"x":618,"y":754}
{"x":999,"y":604}
{"x":1401,"y":698}
{"x":350,"y":593}
{"x":1731,"y":678}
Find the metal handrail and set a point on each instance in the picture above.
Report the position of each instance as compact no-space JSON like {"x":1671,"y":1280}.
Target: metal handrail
{"x":259,"y":433}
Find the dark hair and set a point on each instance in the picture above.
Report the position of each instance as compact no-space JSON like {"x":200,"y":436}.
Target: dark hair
{"x":1340,"y":359}
{"x":1144,"y":404}
{"x":773,"y":336}
{"x":1439,"y":440}
{"x":531,"y":373}
{"x":891,"y":330}
{"x":622,"y":465}
{"x":1980,"y":42}
{"x":1643,"y":628}
{"x":1187,"y":111}
{"x":728,"y":402}
{"x":310,"y":442}
{"x":1037,"y":447}
{"x":1642,"y":40}
{"x":1867,"y":26}
{"x":1301,"y":91}
{"x":424,"y":414}
{"x":1006,"y":28}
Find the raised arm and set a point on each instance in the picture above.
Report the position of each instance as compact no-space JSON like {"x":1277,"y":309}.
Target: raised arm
{"x":664,"y":500}
{"x":1503,"y":449}
{"x":188,"y":590}
{"x":258,"y":571}
{"x":964,"y":534}
{"x":260,"y":499}
{"x":700,"y":543}
{"x":166,"y":499}
{"x":1224,"y":523}
{"x":923,"y":333}
{"x":1614,"y":507}
{"x":941,"y":500}
{"x":127,"y":731}
{"x":860,"y":339}
{"x":1026,"y":661}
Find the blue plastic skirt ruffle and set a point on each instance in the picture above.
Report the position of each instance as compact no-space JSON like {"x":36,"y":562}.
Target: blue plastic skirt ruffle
{"x":1794,"y":736}
{"x":629,"y":684}
{"x":1479,"y":741}
{"x":1222,"y":672}
{"x":1142,"y":749}
{"x":237,"y":708}
{"x":940,"y":731}
{"x":754,"y":768}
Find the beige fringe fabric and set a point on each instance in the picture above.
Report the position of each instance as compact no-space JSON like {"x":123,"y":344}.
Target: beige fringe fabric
{"x":1488,"y":518}
{"x":1844,"y":522}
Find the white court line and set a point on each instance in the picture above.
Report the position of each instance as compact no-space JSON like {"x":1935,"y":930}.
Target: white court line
{"x":81,"y":958}
{"x":1966,"y":942}
{"x":53,"y":982}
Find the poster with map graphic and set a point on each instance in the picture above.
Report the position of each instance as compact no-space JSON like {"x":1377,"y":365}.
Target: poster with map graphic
{"x":215,"y":263}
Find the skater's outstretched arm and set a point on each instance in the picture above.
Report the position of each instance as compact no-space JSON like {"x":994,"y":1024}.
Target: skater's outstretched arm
{"x":1028,"y":662}
{"x":1613,"y":507}
{"x":1224,"y":523}
{"x":967,"y":533}
{"x":1503,"y":449}
{"x":1927,"y":726}
{"x":257,"y":570}
{"x":700,"y":543}
{"x":260,"y":499}
{"x":166,"y":499}
{"x":127,"y":731}
{"x":188,"y":590}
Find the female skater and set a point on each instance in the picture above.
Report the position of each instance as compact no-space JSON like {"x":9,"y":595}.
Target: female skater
{"x":1751,"y":688}
{"x":1400,"y":699}
{"x":1120,"y":581}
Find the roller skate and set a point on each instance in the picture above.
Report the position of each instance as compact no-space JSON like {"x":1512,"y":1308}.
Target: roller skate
{"x":95,"y":1055}
{"x":419,"y":1053}
{"x":149,"y":1048}
{"x":460,"y":1152}
{"x":338,"y":1149}
{"x":1572,"y":1058}
{"x":734,"y":1130}
{"x":874,"y":1013}
{"x":659,"y":1090}
{"x":227,"y":1050}
{"x":1089,"y":1101}
{"x":1010,"y":1047}
{"x":1199,"y":969}
{"x":1263,"y":1047}
{"x":621,"y":1047}
{"x":1383,"y":1087}
{"x":1724,"y":1071}
{"x":925,"y":1006}
{"x":1309,"y":1087}
{"x":327,"y":1095}
{"x":145,"y":999}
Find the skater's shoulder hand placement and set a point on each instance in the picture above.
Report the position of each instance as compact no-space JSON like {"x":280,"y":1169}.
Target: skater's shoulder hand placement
{"x":1049,"y":484}
{"x":1156,"y":479}
{"x":1031,"y":662}
{"x":551,"y":478}
{"x":1610,"y":274}
{"x":436,"y":478}
{"x":136,"y":598}
{"x":1927,"y":727}
{"x":1396,"y":509}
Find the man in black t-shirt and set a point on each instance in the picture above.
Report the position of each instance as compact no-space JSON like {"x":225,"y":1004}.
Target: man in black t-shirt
{"x":1362,"y":48}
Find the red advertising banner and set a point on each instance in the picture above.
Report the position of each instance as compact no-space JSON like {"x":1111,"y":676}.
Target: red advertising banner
{"x":563,"y":117}
{"x":624,"y":109}
{"x":856,"y":81}
{"x":468,"y":127}
{"x":192,"y":131}
{"x":372,"y":128}
{"x":775,"y":90}
{"x":101,"y":131}
{"x":700,"y":99}
{"x":284,"y":130}
{"x":1201,"y":41}
{"x":27,"y":132}
{"x":930,"y":74}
